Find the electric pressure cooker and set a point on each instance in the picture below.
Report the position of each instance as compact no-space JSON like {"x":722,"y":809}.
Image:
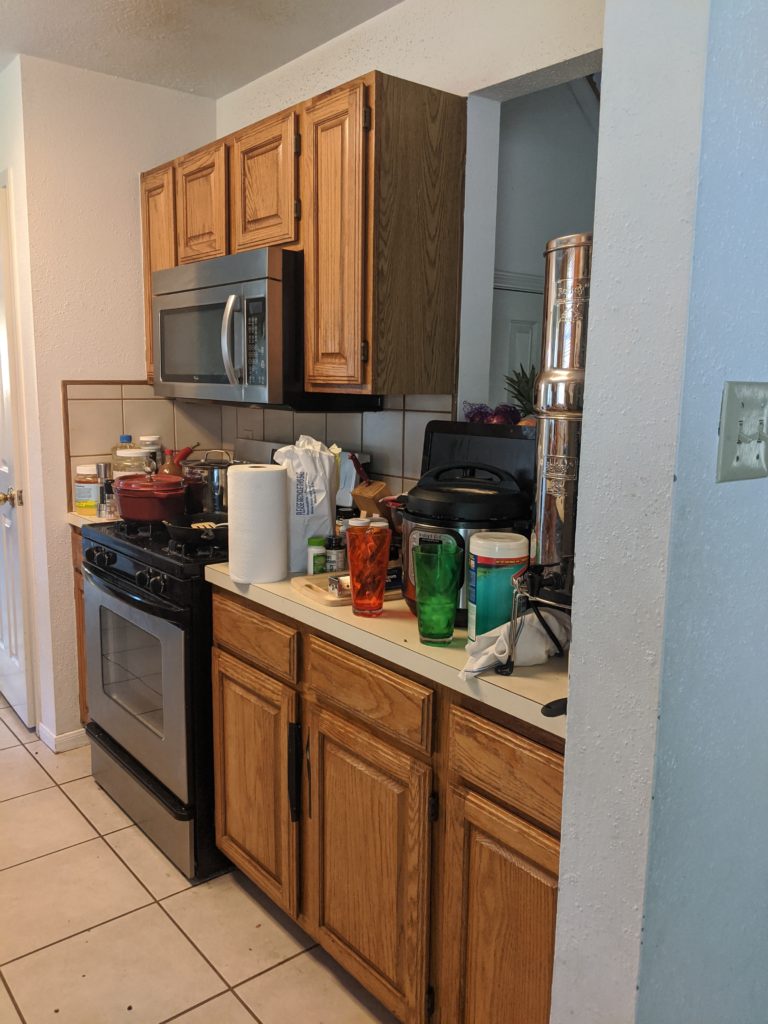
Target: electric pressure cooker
{"x":449,"y":504}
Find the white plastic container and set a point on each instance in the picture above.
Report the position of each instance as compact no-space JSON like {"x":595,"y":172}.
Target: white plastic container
{"x":495,"y":559}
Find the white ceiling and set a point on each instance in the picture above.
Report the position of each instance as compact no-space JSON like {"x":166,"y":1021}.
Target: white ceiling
{"x":208,"y":47}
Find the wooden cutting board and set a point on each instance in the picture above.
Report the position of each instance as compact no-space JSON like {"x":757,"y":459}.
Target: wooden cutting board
{"x":316,"y":588}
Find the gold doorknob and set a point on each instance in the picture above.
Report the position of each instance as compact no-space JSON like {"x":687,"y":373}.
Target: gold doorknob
{"x":8,"y":497}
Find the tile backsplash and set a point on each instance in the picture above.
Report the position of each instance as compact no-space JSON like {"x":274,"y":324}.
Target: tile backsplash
{"x":97,"y":413}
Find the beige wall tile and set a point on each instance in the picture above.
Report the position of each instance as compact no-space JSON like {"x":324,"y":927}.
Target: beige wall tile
{"x":93,"y":391}
{"x":393,"y":401}
{"x":95,"y":425}
{"x":310,"y":423}
{"x":140,"y":963}
{"x":149,"y":416}
{"x":394,"y":483}
{"x":345,"y":429}
{"x":415,"y":425}
{"x":139,"y":391}
{"x":408,"y":484}
{"x":383,"y":440}
{"x":228,"y":426}
{"x":198,"y":421}
{"x":278,"y":426}
{"x":250,"y":423}
{"x":429,"y":403}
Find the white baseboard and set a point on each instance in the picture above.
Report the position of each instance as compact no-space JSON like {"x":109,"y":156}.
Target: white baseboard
{"x":62,"y":741}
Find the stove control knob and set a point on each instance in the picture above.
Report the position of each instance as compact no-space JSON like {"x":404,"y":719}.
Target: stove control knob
{"x":90,"y":555}
{"x":103,"y":558}
{"x":142,"y":578}
{"x":157,"y":583}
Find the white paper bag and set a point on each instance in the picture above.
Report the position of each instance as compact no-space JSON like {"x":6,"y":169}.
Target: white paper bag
{"x":311,"y":494}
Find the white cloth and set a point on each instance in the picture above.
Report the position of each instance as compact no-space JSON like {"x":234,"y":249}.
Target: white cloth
{"x":534,"y":647}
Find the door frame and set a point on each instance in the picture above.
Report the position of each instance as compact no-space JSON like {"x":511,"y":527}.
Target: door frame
{"x":20,"y":451}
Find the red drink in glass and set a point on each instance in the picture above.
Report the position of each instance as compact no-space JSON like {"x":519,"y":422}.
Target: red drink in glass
{"x":368,"y":550}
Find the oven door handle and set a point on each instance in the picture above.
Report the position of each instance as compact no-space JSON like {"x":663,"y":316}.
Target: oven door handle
{"x":162,"y":609}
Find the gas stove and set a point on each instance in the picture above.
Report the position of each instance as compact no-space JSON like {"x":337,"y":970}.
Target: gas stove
{"x":150,"y":544}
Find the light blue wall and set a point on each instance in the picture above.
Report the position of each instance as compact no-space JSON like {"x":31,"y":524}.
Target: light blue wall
{"x":705,"y":945}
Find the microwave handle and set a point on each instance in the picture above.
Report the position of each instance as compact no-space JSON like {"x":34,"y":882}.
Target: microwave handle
{"x":232,"y":305}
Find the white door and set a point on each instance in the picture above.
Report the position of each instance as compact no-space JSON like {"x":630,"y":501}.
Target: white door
{"x":14,"y":683}
{"x":515,"y":337}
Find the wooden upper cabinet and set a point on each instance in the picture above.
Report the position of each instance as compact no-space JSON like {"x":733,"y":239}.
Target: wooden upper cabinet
{"x":369,"y":849}
{"x":498,"y":926}
{"x":334,"y":163}
{"x":263,"y":173}
{"x":158,"y":233}
{"x":252,"y":720}
{"x":201,"y":203}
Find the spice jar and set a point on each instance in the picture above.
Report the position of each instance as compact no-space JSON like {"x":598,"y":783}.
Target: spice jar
{"x":335,"y":554}
{"x":87,"y":487}
{"x":315,"y":555}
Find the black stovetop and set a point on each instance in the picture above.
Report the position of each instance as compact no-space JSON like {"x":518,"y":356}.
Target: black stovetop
{"x":150,"y":544}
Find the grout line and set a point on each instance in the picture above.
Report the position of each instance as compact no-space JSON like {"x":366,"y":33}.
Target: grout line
{"x":193,"y":943}
{"x":243,"y":1003}
{"x":50,"y":853}
{"x":273,"y":967}
{"x":17,"y":795}
{"x":11,"y":996}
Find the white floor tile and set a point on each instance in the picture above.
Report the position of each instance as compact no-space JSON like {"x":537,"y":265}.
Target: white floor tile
{"x":19,"y":773}
{"x":239,"y":931}
{"x":226,"y":1009}
{"x":7,"y":738}
{"x":38,"y":824}
{"x":138,"y":969}
{"x":53,"y":897}
{"x":66,"y":766}
{"x":17,"y":727}
{"x":8,"y":1014}
{"x":99,"y":808}
{"x":145,"y":860}
{"x":3,"y":702}
{"x":314,"y":990}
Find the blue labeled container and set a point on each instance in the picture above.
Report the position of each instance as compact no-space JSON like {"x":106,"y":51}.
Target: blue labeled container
{"x":495,"y":560}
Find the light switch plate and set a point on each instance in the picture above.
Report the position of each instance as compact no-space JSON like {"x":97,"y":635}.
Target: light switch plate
{"x":741,"y":452}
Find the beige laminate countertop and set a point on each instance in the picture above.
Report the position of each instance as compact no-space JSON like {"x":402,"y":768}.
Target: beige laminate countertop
{"x":75,"y":519}
{"x":394,"y":637}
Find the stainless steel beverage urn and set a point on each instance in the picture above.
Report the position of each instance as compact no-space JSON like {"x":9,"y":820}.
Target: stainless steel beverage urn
{"x":559,"y":400}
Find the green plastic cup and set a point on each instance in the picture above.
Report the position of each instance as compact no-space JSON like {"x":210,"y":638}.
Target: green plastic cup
{"x":438,"y":570}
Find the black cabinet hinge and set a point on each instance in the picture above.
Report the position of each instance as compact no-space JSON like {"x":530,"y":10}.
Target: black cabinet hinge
{"x":366,"y":117}
{"x":363,"y":351}
{"x":433,"y":807}
{"x":430,"y":1000}
{"x":297,"y":209}
{"x":297,"y":144}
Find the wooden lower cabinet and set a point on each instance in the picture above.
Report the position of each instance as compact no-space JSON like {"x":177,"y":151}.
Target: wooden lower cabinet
{"x":369,"y":844}
{"x":500,"y":897}
{"x":252,"y":719}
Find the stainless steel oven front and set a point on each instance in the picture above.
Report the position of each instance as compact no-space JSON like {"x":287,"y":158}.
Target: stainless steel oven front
{"x":136,"y":656}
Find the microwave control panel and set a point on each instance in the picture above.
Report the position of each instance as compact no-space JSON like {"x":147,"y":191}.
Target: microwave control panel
{"x":256,"y":342}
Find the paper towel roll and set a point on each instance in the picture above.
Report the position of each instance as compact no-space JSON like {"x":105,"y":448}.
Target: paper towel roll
{"x":257,"y":513}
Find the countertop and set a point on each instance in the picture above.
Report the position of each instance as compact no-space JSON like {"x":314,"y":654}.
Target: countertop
{"x":394,"y":637}
{"x":75,"y":519}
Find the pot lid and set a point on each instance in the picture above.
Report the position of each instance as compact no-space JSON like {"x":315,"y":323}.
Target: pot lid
{"x":447,"y":492}
{"x":140,"y":483}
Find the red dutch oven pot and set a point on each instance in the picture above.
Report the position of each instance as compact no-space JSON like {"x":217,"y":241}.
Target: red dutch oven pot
{"x":150,"y":499}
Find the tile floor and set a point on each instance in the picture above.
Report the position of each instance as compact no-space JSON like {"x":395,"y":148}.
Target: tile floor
{"x":99,"y":928}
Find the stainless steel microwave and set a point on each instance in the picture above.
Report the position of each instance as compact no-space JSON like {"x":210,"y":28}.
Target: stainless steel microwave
{"x":229,"y":329}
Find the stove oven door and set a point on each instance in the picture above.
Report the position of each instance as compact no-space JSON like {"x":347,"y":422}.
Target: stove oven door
{"x":137,"y":673}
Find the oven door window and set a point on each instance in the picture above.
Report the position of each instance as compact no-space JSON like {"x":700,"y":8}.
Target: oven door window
{"x":131,"y":669}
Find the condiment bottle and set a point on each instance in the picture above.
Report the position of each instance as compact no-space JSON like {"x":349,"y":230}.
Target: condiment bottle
{"x":335,"y":554}
{"x":86,"y":490}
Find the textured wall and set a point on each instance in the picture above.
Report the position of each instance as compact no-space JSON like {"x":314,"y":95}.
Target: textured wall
{"x":707,"y":895}
{"x":87,"y":137}
{"x":648,"y":155}
{"x":456,"y":45}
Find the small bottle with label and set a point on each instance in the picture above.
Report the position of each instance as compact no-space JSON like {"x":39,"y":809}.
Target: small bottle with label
{"x":87,"y":488}
{"x":335,"y":555}
{"x":315,"y":555}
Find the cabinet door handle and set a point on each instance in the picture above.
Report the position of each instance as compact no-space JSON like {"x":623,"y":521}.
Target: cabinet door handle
{"x":232,"y":305}
{"x":308,"y":759}
{"x":294,"y":770}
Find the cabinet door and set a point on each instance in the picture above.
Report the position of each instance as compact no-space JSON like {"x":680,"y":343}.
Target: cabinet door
{"x":334,"y":144}
{"x":201,"y":203}
{"x":369,"y":845}
{"x":158,"y":231}
{"x":263,"y":183}
{"x":252,"y":719}
{"x":500,"y":894}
